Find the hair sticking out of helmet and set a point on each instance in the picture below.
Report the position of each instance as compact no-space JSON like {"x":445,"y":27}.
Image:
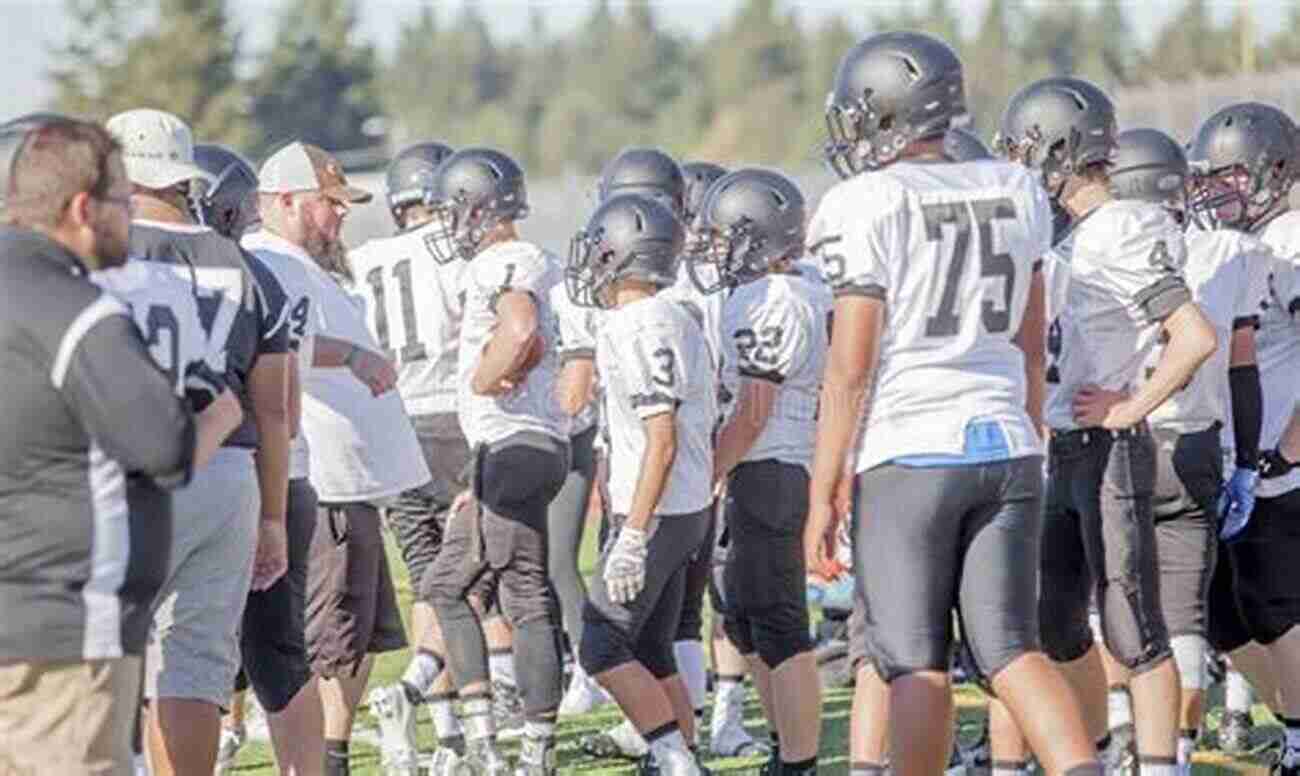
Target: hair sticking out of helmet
{"x":629,"y":237}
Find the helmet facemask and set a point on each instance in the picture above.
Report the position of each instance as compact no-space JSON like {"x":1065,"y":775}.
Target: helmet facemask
{"x":1235,"y":197}
{"x":464,"y":225}
{"x":590,"y":270}
{"x":859,"y":138}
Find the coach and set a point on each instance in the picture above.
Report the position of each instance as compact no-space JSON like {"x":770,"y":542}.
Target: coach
{"x":91,"y":434}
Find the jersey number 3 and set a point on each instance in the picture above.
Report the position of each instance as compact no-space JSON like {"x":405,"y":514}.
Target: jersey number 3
{"x":965,"y":217}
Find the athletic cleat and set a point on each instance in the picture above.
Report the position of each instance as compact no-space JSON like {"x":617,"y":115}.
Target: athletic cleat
{"x":1234,"y":732}
{"x":732,"y":740}
{"x":647,"y":765}
{"x":396,"y":715}
{"x":483,"y":759}
{"x":232,"y":740}
{"x":621,"y":741}
{"x":956,"y":763}
{"x":508,"y":711}
{"x":1120,"y":756}
{"x":443,"y":762}
{"x":583,"y":696}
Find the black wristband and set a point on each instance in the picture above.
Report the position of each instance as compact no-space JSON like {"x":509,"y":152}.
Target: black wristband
{"x":1247,"y":413}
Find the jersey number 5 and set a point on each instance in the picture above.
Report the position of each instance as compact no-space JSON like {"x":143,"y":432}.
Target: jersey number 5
{"x":946,"y":320}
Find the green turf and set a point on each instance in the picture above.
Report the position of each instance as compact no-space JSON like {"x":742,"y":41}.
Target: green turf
{"x":256,"y":758}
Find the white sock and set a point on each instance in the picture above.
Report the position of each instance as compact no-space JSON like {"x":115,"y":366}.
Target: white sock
{"x":539,"y":731}
{"x":1186,"y":747}
{"x":422,"y":671}
{"x":501,"y":665}
{"x":1237,"y":695}
{"x":728,"y":694}
{"x":1008,"y":768}
{"x":1119,"y":708}
{"x":690,"y":665}
{"x":671,"y":753}
{"x":445,"y":722}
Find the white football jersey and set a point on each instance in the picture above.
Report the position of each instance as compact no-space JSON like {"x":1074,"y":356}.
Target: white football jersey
{"x":775,"y":330}
{"x":951,"y":249}
{"x":578,"y":327}
{"x":652,"y":359}
{"x":510,"y":266}
{"x":1227,"y":273}
{"x":414,"y":308}
{"x":1124,"y":262}
{"x":1278,"y":342}
{"x":163,"y":305}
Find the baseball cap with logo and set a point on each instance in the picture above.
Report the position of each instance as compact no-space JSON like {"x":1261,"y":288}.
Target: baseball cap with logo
{"x":304,"y":167}
{"x":157,"y":147}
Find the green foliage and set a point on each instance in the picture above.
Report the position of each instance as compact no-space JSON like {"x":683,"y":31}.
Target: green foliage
{"x":750,"y":90}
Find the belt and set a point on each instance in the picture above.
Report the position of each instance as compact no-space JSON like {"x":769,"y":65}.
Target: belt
{"x":1082,"y":437}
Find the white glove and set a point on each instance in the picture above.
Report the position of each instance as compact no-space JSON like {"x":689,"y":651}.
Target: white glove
{"x":625,"y":566}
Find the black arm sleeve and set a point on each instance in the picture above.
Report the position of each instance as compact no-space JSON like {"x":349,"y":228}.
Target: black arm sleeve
{"x":1247,"y":413}
{"x":127,"y":405}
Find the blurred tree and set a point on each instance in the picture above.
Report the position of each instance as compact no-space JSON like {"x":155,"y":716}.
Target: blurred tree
{"x":185,"y":63}
{"x":1191,"y":43}
{"x":1285,"y":45}
{"x":316,"y":83}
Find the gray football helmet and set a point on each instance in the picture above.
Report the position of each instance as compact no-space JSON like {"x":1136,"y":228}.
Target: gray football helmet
{"x":1150,"y":166}
{"x":699,"y":177}
{"x":962,"y":145}
{"x":889,"y":90}
{"x":474,"y":190}
{"x":1244,"y":162}
{"x":1058,"y":126}
{"x":409,"y":177}
{"x":229,"y":203}
{"x":751,"y":219}
{"x":629,"y":236}
{"x":646,"y":171}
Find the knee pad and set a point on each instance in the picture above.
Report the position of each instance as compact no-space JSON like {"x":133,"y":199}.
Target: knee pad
{"x":1063,"y":621}
{"x":1189,"y":655}
{"x":1135,"y":638}
{"x":604,"y":647}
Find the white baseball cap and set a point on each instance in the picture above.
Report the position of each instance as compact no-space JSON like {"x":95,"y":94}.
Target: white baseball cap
{"x":157,"y":147}
{"x":304,"y":167}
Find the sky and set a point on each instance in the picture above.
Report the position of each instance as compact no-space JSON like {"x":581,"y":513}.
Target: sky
{"x":33,"y":26}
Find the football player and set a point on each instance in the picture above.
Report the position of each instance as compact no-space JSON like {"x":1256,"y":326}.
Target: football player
{"x":227,"y":203}
{"x":774,"y":323}
{"x":660,"y":403}
{"x":1219,"y":410}
{"x":413,"y":307}
{"x":1118,"y":269}
{"x":939,"y":307}
{"x":497,"y":544}
{"x":1246,"y":162}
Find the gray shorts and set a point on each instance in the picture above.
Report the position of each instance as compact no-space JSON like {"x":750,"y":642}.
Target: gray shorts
{"x":926,"y":540}
{"x":418,"y":517}
{"x":1189,"y":471}
{"x":193,"y":650}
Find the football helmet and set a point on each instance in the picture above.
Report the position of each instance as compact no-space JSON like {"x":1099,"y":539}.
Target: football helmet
{"x":889,"y":90}
{"x":1243,"y":161}
{"x":1058,"y":126}
{"x":409,"y":178}
{"x":229,"y":203}
{"x":646,"y":171}
{"x":629,"y":236}
{"x":1151,"y":166}
{"x":751,"y":219}
{"x":474,"y":190}
{"x":962,"y":145}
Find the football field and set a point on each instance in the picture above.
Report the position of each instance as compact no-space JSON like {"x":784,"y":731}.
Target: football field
{"x":256,"y":758}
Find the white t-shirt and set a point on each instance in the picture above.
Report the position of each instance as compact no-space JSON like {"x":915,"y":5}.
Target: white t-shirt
{"x":775,"y":330}
{"x":414,"y":307}
{"x":951,"y":249}
{"x":162,"y":302}
{"x":1124,"y":262}
{"x":1227,"y":272}
{"x":533,"y":406}
{"x":362,"y":447}
{"x":1277,"y":343}
{"x":290,"y":265}
{"x":652,"y":359}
